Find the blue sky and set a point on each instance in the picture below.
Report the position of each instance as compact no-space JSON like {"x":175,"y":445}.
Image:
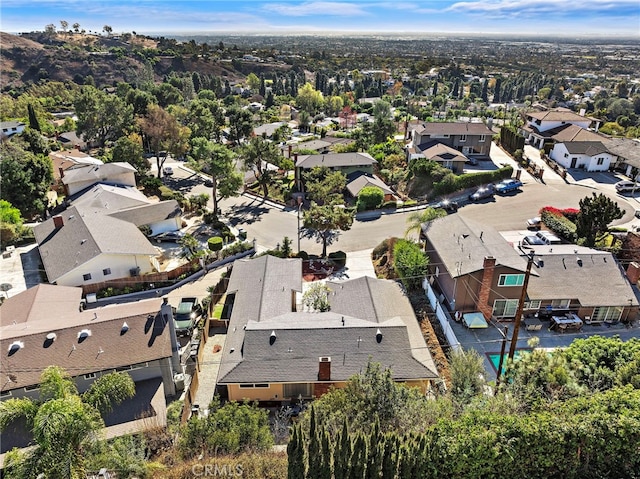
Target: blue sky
{"x":561,"y":17}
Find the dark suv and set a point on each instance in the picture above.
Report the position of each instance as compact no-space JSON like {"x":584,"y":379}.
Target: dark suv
{"x":186,"y":315}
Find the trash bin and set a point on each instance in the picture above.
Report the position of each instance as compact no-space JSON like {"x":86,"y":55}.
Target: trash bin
{"x":242,"y":234}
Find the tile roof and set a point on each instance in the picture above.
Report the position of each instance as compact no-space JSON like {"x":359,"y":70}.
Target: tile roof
{"x":560,"y":114}
{"x":361,"y":180}
{"x":335,"y":160}
{"x":84,"y":236}
{"x":462,"y":245}
{"x":436,"y":151}
{"x":347,"y":333}
{"x":107,"y":347}
{"x":96,"y":173}
{"x":589,"y":148}
{"x":453,"y":128}
{"x":561,"y":276}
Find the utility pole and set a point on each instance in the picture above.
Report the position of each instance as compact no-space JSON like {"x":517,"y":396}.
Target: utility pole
{"x":502,"y":348}
{"x":523,"y":295}
{"x":299,"y":208}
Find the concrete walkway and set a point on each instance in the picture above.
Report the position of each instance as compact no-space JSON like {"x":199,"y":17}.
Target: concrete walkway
{"x":358,"y":264}
{"x":208,"y":375}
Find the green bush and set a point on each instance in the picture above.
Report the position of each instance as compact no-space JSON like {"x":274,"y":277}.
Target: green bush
{"x":235,"y":248}
{"x":369,"y":198}
{"x":559,"y":224}
{"x":166,"y":193}
{"x":392,"y":205}
{"x":210,"y":217}
{"x":215,"y":243}
{"x":339,"y":258}
{"x":408,"y":203}
{"x":410,"y":263}
{"x":303,"y":254}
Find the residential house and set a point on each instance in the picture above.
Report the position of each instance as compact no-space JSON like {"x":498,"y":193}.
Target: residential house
{"x":359,"y":180}
{"x":628,"y":153}
{"x":82,"y":177}
{"x":70,"y":139}
{"x":473,"y":267}
{"x":347,"y":163}
{"x":319,"y":146}
{"x":98,"y":238}
{"x":563,"y":279}
{"x":588,"y":155}
{"x":47,"y":325}
{"x":65,"y":159}
{"x":276,"y":352}
{"x":10,"y":128}
{"x":542,"y":125}
{"x":472,"y":139}
{"x":268,"y":129}
{"x":439,"y":152}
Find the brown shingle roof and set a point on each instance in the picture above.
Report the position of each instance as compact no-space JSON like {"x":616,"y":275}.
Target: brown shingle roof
{"x":452,"y":128}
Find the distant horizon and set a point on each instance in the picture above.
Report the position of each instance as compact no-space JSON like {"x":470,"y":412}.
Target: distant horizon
{"x":530,"y":18}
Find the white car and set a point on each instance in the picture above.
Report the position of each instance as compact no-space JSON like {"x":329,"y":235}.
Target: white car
{"x":627,"y":186}
{"x":167,"y":171}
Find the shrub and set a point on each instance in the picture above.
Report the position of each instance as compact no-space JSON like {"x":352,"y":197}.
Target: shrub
{"x":235,"y":248}
{"x":557,"y":223}
{"x":410,"y":263}
{"x":390,"y":205}
{"x":166,"y":193}
{"x":339,"y":258}
{"x":369,"y":198}
{"x":215,"y":243}
{"x":210,"y":217}
{"x":303,"y":254}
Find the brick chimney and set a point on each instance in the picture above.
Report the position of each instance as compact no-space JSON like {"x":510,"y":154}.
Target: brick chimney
{"x":633,"y":272}
{"x":58,"y":222}
{"x":324,"y":369}
{"x":61,"y":171}
{"x":486,"y":284}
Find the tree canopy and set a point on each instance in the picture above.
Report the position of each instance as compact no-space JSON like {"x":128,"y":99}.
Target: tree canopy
{"x":324,"y":222}
{"x":596,"y":212}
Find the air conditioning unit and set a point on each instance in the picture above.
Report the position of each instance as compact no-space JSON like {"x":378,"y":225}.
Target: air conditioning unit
{"x":134,"y":271}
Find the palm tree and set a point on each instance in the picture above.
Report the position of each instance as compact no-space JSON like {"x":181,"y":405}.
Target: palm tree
{"x":63,"y":423}
{"x":418,"y":218}
{"x":191,"y":247}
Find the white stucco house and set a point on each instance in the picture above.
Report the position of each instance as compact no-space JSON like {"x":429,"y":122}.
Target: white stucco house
{"x":98,"y":238}
{"x":10,"y":128}
{"x":587,"y":155}
{"x":541,"y":126}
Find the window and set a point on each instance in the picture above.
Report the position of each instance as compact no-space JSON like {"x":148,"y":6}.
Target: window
{"x":511,"y":280}
{"x":463,"y":138}
{"x":33,"y":387}
{"x":251,"y":386}
{"x":535,"y":304}
{"x":90,"y":376}
{"x":505,"y":307}
{"x":566,"y":155}
{"x":482,"y":138}
{"x":560,"y":303}
{"x":86,"y":277}
{"x":607,"y":313}
{"x":601,"y":161}
{"x":106,"y":271}
{"x":297,"y":390}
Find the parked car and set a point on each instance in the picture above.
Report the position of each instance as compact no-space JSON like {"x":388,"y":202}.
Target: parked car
{"x":482,"y":193}
{"x":472,"y":161}
{"x":507,"y":186}
{"x":532,"y":240}
{"x":186,"y":316}
{"x":627,"y":186}
{"x":534,"y":223}
{"x":169,"y":236}
{"x":167,"y":171}
{"x":447,"y":205}
{"x":208,"y":183}
{"x":548,"y":237}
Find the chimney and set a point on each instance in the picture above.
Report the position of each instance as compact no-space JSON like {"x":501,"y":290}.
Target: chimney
{"x":324,"y":369}
{"x":58,"y":222}
{"x":61,"y":171}
{"x":486,"y":284}
{"x":295,"y":159}
{"x":289,"y":155}
{"x":633,"y":272}
{"x":166,"y":313}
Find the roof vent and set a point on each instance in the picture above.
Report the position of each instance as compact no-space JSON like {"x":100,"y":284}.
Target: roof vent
{"x":15,"y":346}
{"x":84,"y":334}
{"x":232,"y":350}
{"x":579,"y":261}
{"x":272,"y":338}
{"x":124,"y":328}
{"x":51,"y":337}
{"x":379,"y":335}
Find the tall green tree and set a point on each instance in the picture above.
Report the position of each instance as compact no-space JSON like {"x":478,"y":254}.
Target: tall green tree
{"x":410,"y":263}
{"x":33,"y":119}
{"x":64,"y":424}
{"x":129,"y":149}
{"x":596,"y":212}
{"x":102,"y":117}
{"x":467,"y":376}
{"x":383,"y":126}
{"x":164,"y":134}
{"x":25,"y":179}
{"x":324,"y":223}
{"x":240,"y":124}
{"x":205,"y":118}
{"x":296,"y":454}
{"x":324,"y":186}
{"x":258,"y":155}
{"x":218,"y":161}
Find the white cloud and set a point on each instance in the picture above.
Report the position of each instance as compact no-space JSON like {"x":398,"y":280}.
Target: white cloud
{"x":516,"y":7}
{"x":316,"y":8}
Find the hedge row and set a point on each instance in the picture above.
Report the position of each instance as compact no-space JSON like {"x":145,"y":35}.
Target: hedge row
{"x":559,"y":224}
{"x":452,"y":183}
